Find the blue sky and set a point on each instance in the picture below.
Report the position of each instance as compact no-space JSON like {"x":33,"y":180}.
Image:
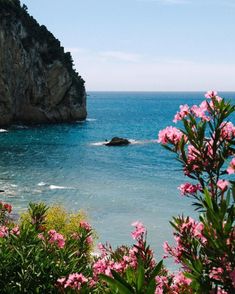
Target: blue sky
{"x":145,"y":45}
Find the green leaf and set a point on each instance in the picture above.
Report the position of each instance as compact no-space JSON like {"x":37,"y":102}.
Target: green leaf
{"x":152,"y":284}
{"x":116,"y":285}
{"x":156,"y":270}
{"x":121,"y":280}
{"x":140,"y":275}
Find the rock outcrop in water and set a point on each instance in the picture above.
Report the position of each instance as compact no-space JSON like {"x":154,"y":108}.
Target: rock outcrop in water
{"x":116,"y":141}
{"x":37,"y":81}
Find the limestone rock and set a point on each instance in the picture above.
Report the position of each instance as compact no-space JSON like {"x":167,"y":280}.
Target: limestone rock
{"x":37,"y":81}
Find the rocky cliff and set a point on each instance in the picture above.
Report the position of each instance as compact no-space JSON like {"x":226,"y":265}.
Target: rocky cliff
{"x":37,"y":81}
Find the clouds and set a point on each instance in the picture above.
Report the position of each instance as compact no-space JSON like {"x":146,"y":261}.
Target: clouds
{"x":113,"y":70}
{"x":120,"y":56}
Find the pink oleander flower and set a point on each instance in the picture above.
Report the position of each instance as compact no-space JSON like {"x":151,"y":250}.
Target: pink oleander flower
{"x":15,"y":231}
{"x":222,"y":185}
{"x":161,"y":283}
{"x":85,"y":225}
{"x":74,"y":281}
{"x":232,"y":276}
{"x":102,"y":249}
{"x":103,"y":266}
{"x":139,"y":230}
{"x":180,"y":279}
{"x":197,"y":232}
{"x":210,"y":94}
{"x":231,"y":168}
{"x":4,"y":231}
{"x":227,"y":130}
{"x":61,"y":281}
{"x":41,"y":236}
{"x":193,"y":154}
{"x":200,"y":111}
{"x":188,"y":188}
{"x":184,"y":111}
{"x":166,"y":248}
{"x":7,"y":207}
{"x":170,"y":135}
{"x":216,"y":273}
{"x":92,"y":283}
{"x":56,"y":238}
{"x":221,"y":291}
{"x":89,"y":240}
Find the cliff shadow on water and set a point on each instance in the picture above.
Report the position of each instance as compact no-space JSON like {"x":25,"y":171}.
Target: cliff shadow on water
{"x":38,"y":83}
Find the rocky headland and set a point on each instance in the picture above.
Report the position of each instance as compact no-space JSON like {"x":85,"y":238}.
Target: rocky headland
{"x":37,"y":81}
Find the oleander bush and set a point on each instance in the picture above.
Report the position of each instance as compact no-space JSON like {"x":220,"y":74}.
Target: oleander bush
{"x":51,"y":251}
{"x":34,"y":255}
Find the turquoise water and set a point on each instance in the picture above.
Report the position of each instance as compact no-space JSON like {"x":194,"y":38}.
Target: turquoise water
{"x":114,"y":185}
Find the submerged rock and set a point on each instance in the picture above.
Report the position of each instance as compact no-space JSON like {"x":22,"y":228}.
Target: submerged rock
{"x":37,"y":81}
{"x":116,"y":141}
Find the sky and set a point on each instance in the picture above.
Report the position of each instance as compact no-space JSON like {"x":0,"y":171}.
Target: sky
{"x":145,"y":45}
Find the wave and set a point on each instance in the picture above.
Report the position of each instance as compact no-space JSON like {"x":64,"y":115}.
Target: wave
{"x":99,"y":143}
{"x":91,"y":119}
{"x":3,"y":131}
{"x":41,"y":184}
{"x":54,"y":187}
{"x":141,"y":142}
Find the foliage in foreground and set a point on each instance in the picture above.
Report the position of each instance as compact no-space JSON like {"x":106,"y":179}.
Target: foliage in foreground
{"x":48,"y":254}
{"x":33,"y":256}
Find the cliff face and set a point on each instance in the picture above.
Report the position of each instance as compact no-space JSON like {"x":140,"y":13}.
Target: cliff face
{"x":37,"y":81}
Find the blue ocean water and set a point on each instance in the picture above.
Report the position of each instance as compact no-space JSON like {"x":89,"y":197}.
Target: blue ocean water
{"x":67,"y":164}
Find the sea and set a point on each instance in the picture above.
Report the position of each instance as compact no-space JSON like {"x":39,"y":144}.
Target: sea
{"x":68,"y":164}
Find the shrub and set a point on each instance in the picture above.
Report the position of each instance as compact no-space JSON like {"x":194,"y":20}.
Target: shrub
{"x":34,"y":256}
{"x":205,"y":249}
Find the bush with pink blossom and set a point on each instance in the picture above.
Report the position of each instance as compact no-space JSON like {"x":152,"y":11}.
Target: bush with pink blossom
{"x":34,"y":257}
{"x":205,"y":248}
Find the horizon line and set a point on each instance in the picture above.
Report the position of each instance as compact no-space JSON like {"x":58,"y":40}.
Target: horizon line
{"x":159,"y":91}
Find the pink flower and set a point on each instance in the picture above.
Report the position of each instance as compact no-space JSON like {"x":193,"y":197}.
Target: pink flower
{"x":221,"y":291}
{"x":103,"y":266}
{"x":41,"y":236}
{"x":197,"y":232}
{"x":222,"y":185}
{"x":210,"y":94}
{"x":85,"y":225}
{"x":184,"y":111}
{"x":15,"y":231}
{"x":56,"y":238}
{"x":180,"y":279}
{"x":3,"y":231}
{"x":216,"y":273}
{"x":232,"y":276}
{"x":231,"y":168}
{"x":199,"y":111}
{"x":188,"y":188}
{"x":7,"y":207}
{"x":227,"y":130}
{"x":139,"y":230}
{"x":193,"y":153}
{"x":102,"y":249}
{"x":161,"y":283}
{"x":89,"y":240}
{"x":74,"y":281}
{"x":170,"y":135}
